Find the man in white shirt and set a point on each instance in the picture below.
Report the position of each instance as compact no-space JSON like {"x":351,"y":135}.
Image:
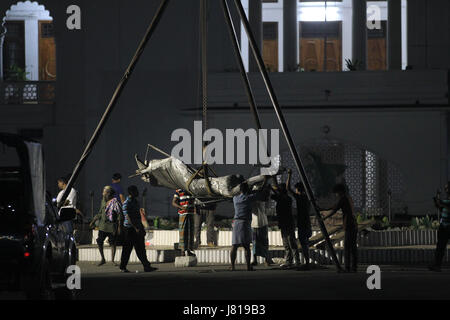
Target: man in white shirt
{"x":70,"y":202}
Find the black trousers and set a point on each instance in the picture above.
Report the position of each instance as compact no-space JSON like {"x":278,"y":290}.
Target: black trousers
{"x":136,"y":240}
{"x":102,"y":235}
{"x":441,"y":247}
{"x":206,"y":216}
{"x":290,"y":244}
{"x":350,"y":248}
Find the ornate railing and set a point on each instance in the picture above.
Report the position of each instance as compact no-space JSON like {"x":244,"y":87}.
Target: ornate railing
{"x":27,"y":92}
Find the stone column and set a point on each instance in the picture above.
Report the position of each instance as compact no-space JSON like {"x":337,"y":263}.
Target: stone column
{"x":255,"y":19}
{"x":290,"y":39}
{"x":359,"y":33}
{"x":394,"y":35}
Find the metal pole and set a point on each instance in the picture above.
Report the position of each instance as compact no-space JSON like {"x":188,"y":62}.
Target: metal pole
{"x":244,"y":75}
{"x":285,"y":129}
{"x":204,"y":63}
{"x":389,"y":205}
{"x":91,"y":195}
{"x":2,"y":40}
{"x":237,"y":51}
{"x":154,"y":23}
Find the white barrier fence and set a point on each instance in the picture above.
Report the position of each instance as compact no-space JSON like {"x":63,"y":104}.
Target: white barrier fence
{"x":222,"y":255}
{"x":372,"y":239}
{"x":170,"y":237}
{"x":399,"y":238}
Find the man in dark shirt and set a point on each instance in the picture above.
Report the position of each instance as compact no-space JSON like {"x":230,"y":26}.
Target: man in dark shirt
{"x":303,"y":220}
{"x":350,"y":226}
{"x":444,"y":229}
{"x":134,"y":232}
{"x":286,"y":224}
{"x":204,"y":213}
{"x":116,"y":178}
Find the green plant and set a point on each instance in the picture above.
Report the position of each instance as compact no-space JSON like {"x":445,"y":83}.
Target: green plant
{"x":353,"y":65}
{"x":16,"y":73}
{"x":424,"y":223}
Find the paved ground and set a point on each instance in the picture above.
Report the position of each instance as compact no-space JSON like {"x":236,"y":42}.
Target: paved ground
{"x":216,"y":282}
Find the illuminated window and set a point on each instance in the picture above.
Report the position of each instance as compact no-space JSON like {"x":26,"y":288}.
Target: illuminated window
{"x":332,"y":40}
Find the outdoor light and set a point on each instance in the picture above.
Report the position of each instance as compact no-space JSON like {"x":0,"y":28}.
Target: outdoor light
{"x":317,"y":11}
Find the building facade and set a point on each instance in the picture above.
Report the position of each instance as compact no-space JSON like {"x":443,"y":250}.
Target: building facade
{"x":386,"y":121}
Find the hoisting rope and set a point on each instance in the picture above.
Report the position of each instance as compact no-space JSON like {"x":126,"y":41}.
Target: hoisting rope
{"x":203,"y":170}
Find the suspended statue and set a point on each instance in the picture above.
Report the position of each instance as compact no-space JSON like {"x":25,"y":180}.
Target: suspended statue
{"x":172,"y":173}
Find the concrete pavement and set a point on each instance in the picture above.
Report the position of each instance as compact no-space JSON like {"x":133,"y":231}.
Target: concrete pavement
{"x":216,"y":282}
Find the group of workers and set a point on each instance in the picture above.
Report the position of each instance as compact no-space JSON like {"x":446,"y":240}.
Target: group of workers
{"x":250,"y":223}
{"x":123,"y":215}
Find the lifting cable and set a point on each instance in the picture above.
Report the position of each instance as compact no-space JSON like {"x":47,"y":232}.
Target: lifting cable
{"x":203,"y":170}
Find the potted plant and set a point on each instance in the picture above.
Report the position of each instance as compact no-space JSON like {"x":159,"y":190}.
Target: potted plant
{"x":14,"y":92}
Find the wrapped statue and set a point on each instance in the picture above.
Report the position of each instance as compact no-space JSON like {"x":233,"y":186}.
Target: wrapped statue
{"x":172,"y":173}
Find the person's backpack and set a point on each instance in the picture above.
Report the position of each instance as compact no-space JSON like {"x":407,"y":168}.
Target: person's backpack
{"x":113,"y":210}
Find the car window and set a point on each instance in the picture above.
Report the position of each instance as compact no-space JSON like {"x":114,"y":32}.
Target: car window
{"x":12,"y":191}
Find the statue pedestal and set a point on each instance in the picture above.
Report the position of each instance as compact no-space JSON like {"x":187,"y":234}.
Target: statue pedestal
{"x":184,"y":262}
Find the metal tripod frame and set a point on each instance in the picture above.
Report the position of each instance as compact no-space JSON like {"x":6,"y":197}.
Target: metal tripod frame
{"x":273,"y":98}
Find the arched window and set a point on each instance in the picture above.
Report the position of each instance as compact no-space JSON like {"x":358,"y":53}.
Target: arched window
{"x":28,"y":55}
{"x":29,"y":51}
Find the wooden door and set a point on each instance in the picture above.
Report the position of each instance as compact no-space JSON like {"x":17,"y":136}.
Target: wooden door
{"x":333,"y":55}
{"x":270,"y":46}
{"x":376,"y":48}
{"x":320,"y":46}
{"x":47,"y":51}
{"x":311,"y":54}
{"x":376,"y":54}
{"x":270,"y":54}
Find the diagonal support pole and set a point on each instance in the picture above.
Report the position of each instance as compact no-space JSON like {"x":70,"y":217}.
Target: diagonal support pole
{"x":287,"y":135}
{"x":237,"y":51}
{"x":244,"y":75}
{"x":151,"y":28}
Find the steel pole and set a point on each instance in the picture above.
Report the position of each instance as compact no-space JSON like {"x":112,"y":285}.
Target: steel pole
{"x":3,"y":31}
{"x":151,"y":28}
{"x":285,"y":129}
{"x":237,"y":51}
{"x":244,"y":75}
